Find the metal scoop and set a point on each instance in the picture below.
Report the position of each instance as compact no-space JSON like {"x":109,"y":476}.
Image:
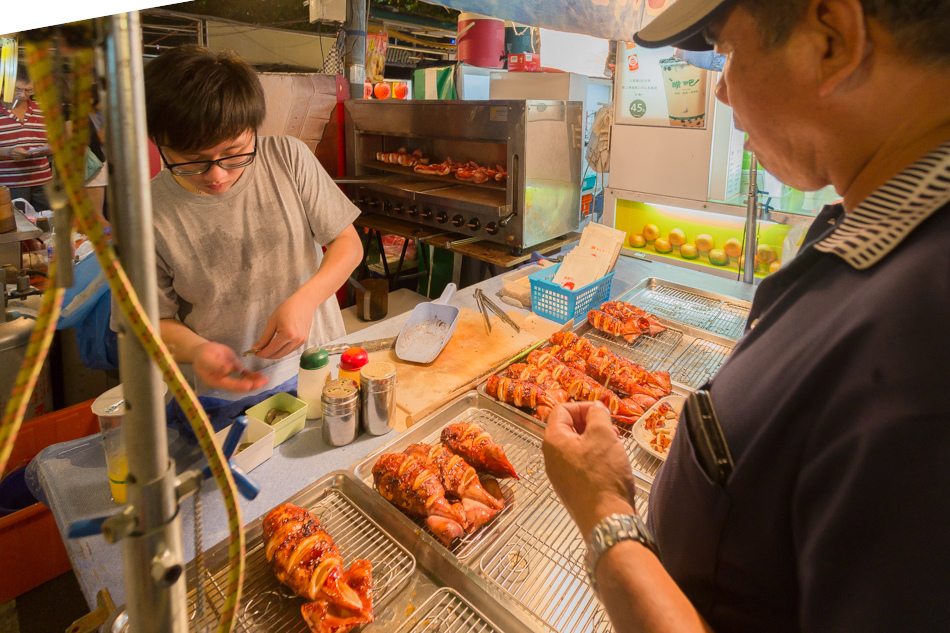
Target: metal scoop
{"x":429,"y":328}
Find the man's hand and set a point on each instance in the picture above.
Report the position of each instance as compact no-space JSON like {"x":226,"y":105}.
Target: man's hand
{"x":20,"y":153}
{"x":220,"y":368}
{"x":287,"y":328}
{"x":587,"y":464}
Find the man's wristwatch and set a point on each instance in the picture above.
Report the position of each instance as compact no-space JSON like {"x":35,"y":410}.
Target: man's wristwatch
{"x":609,"y":532}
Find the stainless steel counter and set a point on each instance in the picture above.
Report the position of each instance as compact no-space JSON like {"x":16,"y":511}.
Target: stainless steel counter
{"x":73,"y":474}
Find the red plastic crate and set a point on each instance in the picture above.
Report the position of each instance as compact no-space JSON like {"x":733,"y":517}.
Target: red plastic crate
{"x":31,"y":549}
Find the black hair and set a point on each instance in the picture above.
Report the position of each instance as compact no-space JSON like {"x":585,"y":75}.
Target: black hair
{"x":22,"y":73}
{"x":196,"y":98}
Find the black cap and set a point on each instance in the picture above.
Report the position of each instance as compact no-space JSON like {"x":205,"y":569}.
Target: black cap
{"x":681,"y":25}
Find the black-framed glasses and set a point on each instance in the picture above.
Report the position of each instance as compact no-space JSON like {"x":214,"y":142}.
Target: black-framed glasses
{"x":198,"y":167}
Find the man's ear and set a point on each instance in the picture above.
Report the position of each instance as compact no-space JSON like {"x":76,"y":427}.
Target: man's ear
{"x":840,"y":31}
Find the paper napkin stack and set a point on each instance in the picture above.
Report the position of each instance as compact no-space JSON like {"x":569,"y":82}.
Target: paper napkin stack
{"x":594,"y":257}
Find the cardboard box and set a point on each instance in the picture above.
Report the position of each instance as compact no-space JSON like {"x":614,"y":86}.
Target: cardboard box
{"x":524,"y":62}
{"x":261,"y":437}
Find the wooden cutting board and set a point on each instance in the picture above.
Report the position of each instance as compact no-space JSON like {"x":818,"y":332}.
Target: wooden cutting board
{"x":469,"y":356}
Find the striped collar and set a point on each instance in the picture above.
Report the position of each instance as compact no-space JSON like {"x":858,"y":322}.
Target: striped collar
{"x":880,"y":223}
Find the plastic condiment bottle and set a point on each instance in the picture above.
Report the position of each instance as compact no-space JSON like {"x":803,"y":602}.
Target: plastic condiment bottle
{"x":351,"y":362}
{"x":313,"y":375}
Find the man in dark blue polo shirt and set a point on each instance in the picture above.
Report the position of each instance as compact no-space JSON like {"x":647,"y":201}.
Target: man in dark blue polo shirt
{"x":835,"y":403}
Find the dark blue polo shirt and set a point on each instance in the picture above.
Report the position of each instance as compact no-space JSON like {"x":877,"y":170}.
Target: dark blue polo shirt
{"x":836,"y":410}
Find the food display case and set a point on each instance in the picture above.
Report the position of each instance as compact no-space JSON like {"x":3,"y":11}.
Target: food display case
{"x":533,"y":149}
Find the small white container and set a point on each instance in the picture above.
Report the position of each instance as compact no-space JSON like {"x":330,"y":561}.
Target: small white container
{"x":313,"y":375}
{"x":259,"y":435}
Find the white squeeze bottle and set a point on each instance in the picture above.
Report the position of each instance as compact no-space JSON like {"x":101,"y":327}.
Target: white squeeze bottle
{"x":314,"y":373}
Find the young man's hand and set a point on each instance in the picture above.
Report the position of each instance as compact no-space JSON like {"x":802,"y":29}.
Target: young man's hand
{"x":20,"y":153}
{"x":220,"y":368}
{"x":287,"y":328}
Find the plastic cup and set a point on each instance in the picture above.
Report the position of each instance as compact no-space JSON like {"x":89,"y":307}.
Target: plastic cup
{"x":110,"y":409}
{"x":685,"y":93}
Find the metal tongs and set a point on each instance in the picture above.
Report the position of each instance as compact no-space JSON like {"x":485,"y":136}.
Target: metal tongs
{"x":485,"y":304}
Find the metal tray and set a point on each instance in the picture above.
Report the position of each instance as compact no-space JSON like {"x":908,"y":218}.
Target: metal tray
{"x":539,"y":562}
{"x":689,"y":353}
{"x":447,"y":612}
{"x":517,"y":433}
{"x":679,"y":308}
{"x":410,"y":577}
{"x":269,"y":605}
{"x":702,"y":348}
{"x":717,"y":314}
{"x":644,"y":464}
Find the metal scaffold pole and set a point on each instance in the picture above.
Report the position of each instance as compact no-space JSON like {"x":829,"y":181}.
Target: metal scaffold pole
{"x":355,"y":45}
{"x":751,"y":223}
{"x":152,"y":550}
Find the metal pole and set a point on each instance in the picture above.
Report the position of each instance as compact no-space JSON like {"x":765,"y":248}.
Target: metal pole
{"x":355,"y":46}
{"x":751,"y":223}
{"x":152,"y":553}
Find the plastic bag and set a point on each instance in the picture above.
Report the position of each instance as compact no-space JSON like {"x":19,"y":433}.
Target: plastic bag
{"x":392,"y":244}
{"x":792,"y":241}
{"x":87,"y":307}
{"x":93,"y":165}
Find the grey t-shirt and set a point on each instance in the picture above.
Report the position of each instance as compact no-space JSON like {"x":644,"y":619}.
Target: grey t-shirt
{"x":226,"y":262}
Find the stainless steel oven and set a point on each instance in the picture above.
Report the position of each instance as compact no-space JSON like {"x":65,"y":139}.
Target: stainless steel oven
{"x":529,"y":154}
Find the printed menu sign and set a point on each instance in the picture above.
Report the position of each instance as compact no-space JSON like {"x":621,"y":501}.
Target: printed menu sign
{"x":657,"y":89}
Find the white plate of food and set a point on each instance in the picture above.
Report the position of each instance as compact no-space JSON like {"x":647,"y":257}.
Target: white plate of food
{"x":655,"y":429}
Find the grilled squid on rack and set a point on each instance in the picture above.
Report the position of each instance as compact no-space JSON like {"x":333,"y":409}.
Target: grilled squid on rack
{"x":633,"y":316}
{"x":478,"y":448}
{"x":404,"y":481}
{"x":579,"y":386}
{"x":459,"y":479}
{"x":523,"y":394}
{"x":305,"y":558}
{"x":611,"y":370}
{"x":613,"y":326}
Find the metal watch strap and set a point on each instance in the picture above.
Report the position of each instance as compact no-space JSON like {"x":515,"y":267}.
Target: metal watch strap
{"x":610,"y":531}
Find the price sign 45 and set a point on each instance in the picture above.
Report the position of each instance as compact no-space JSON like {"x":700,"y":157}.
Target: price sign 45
{"x":638,"y":108}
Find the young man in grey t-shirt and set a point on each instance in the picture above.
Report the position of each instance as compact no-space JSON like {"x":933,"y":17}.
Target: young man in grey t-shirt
{"x":239,"y":224}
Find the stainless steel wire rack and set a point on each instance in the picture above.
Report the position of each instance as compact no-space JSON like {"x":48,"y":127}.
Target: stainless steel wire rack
{"x":539,"y":562}
{"x":698,"y":363}
{"x":729,"y":321}
{"x":522,"y":448}
{"x":676,"y":305}
{"x":644,"y":464}
{"x":690,"y":307}
{"x":269,"y":605}
{"x":649,"y":351}
{"x":447,"y":612}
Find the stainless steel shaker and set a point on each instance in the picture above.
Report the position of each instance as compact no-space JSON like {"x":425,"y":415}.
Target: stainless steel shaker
{"x":341,"y":411}
{"x":377,"y":389}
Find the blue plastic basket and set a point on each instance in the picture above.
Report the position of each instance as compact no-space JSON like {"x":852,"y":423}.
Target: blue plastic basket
{"x":560,"y":304}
